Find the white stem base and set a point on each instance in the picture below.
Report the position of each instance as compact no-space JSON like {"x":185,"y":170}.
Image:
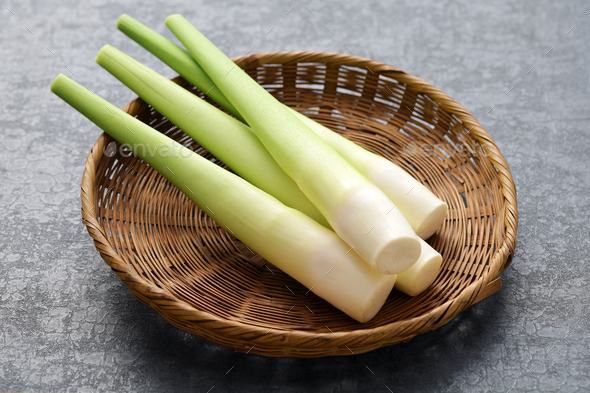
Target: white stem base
{"x":420,"y":206}
{"x":422,"y":274}
{"x":389,"y":243}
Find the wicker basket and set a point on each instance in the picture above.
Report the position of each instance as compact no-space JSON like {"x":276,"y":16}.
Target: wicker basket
{"x":199,"y":277}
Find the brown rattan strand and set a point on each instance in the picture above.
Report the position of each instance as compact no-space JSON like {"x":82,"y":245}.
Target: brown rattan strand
{"x":176,"y":259}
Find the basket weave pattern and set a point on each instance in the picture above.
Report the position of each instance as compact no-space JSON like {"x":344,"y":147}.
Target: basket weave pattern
{"x":177,"y":260}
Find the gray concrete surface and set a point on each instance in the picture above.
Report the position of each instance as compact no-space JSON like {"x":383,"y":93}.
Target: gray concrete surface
{"x":67,"y":323}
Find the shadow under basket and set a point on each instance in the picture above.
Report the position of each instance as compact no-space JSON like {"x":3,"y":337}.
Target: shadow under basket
{"x":200,"y":278}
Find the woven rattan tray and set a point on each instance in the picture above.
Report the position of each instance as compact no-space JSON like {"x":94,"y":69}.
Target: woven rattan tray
{"x":199,"y":277}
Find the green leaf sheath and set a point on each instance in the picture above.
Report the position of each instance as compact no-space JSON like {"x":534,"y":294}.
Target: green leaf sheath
{"x":170,"y":53}
{"x":230,"y":200}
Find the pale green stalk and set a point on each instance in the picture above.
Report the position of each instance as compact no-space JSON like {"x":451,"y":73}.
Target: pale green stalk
{"x":302,"y":248}
{"x":416,"y":206}
{"x":424,"y":211}
{"x":360,"y":213}
{"x":228,"y":139}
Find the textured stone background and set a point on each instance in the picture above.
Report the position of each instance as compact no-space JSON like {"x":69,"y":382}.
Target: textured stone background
{"x":68,"y":323}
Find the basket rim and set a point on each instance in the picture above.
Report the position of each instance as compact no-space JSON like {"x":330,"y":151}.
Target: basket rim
{"x":202,"y":321}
